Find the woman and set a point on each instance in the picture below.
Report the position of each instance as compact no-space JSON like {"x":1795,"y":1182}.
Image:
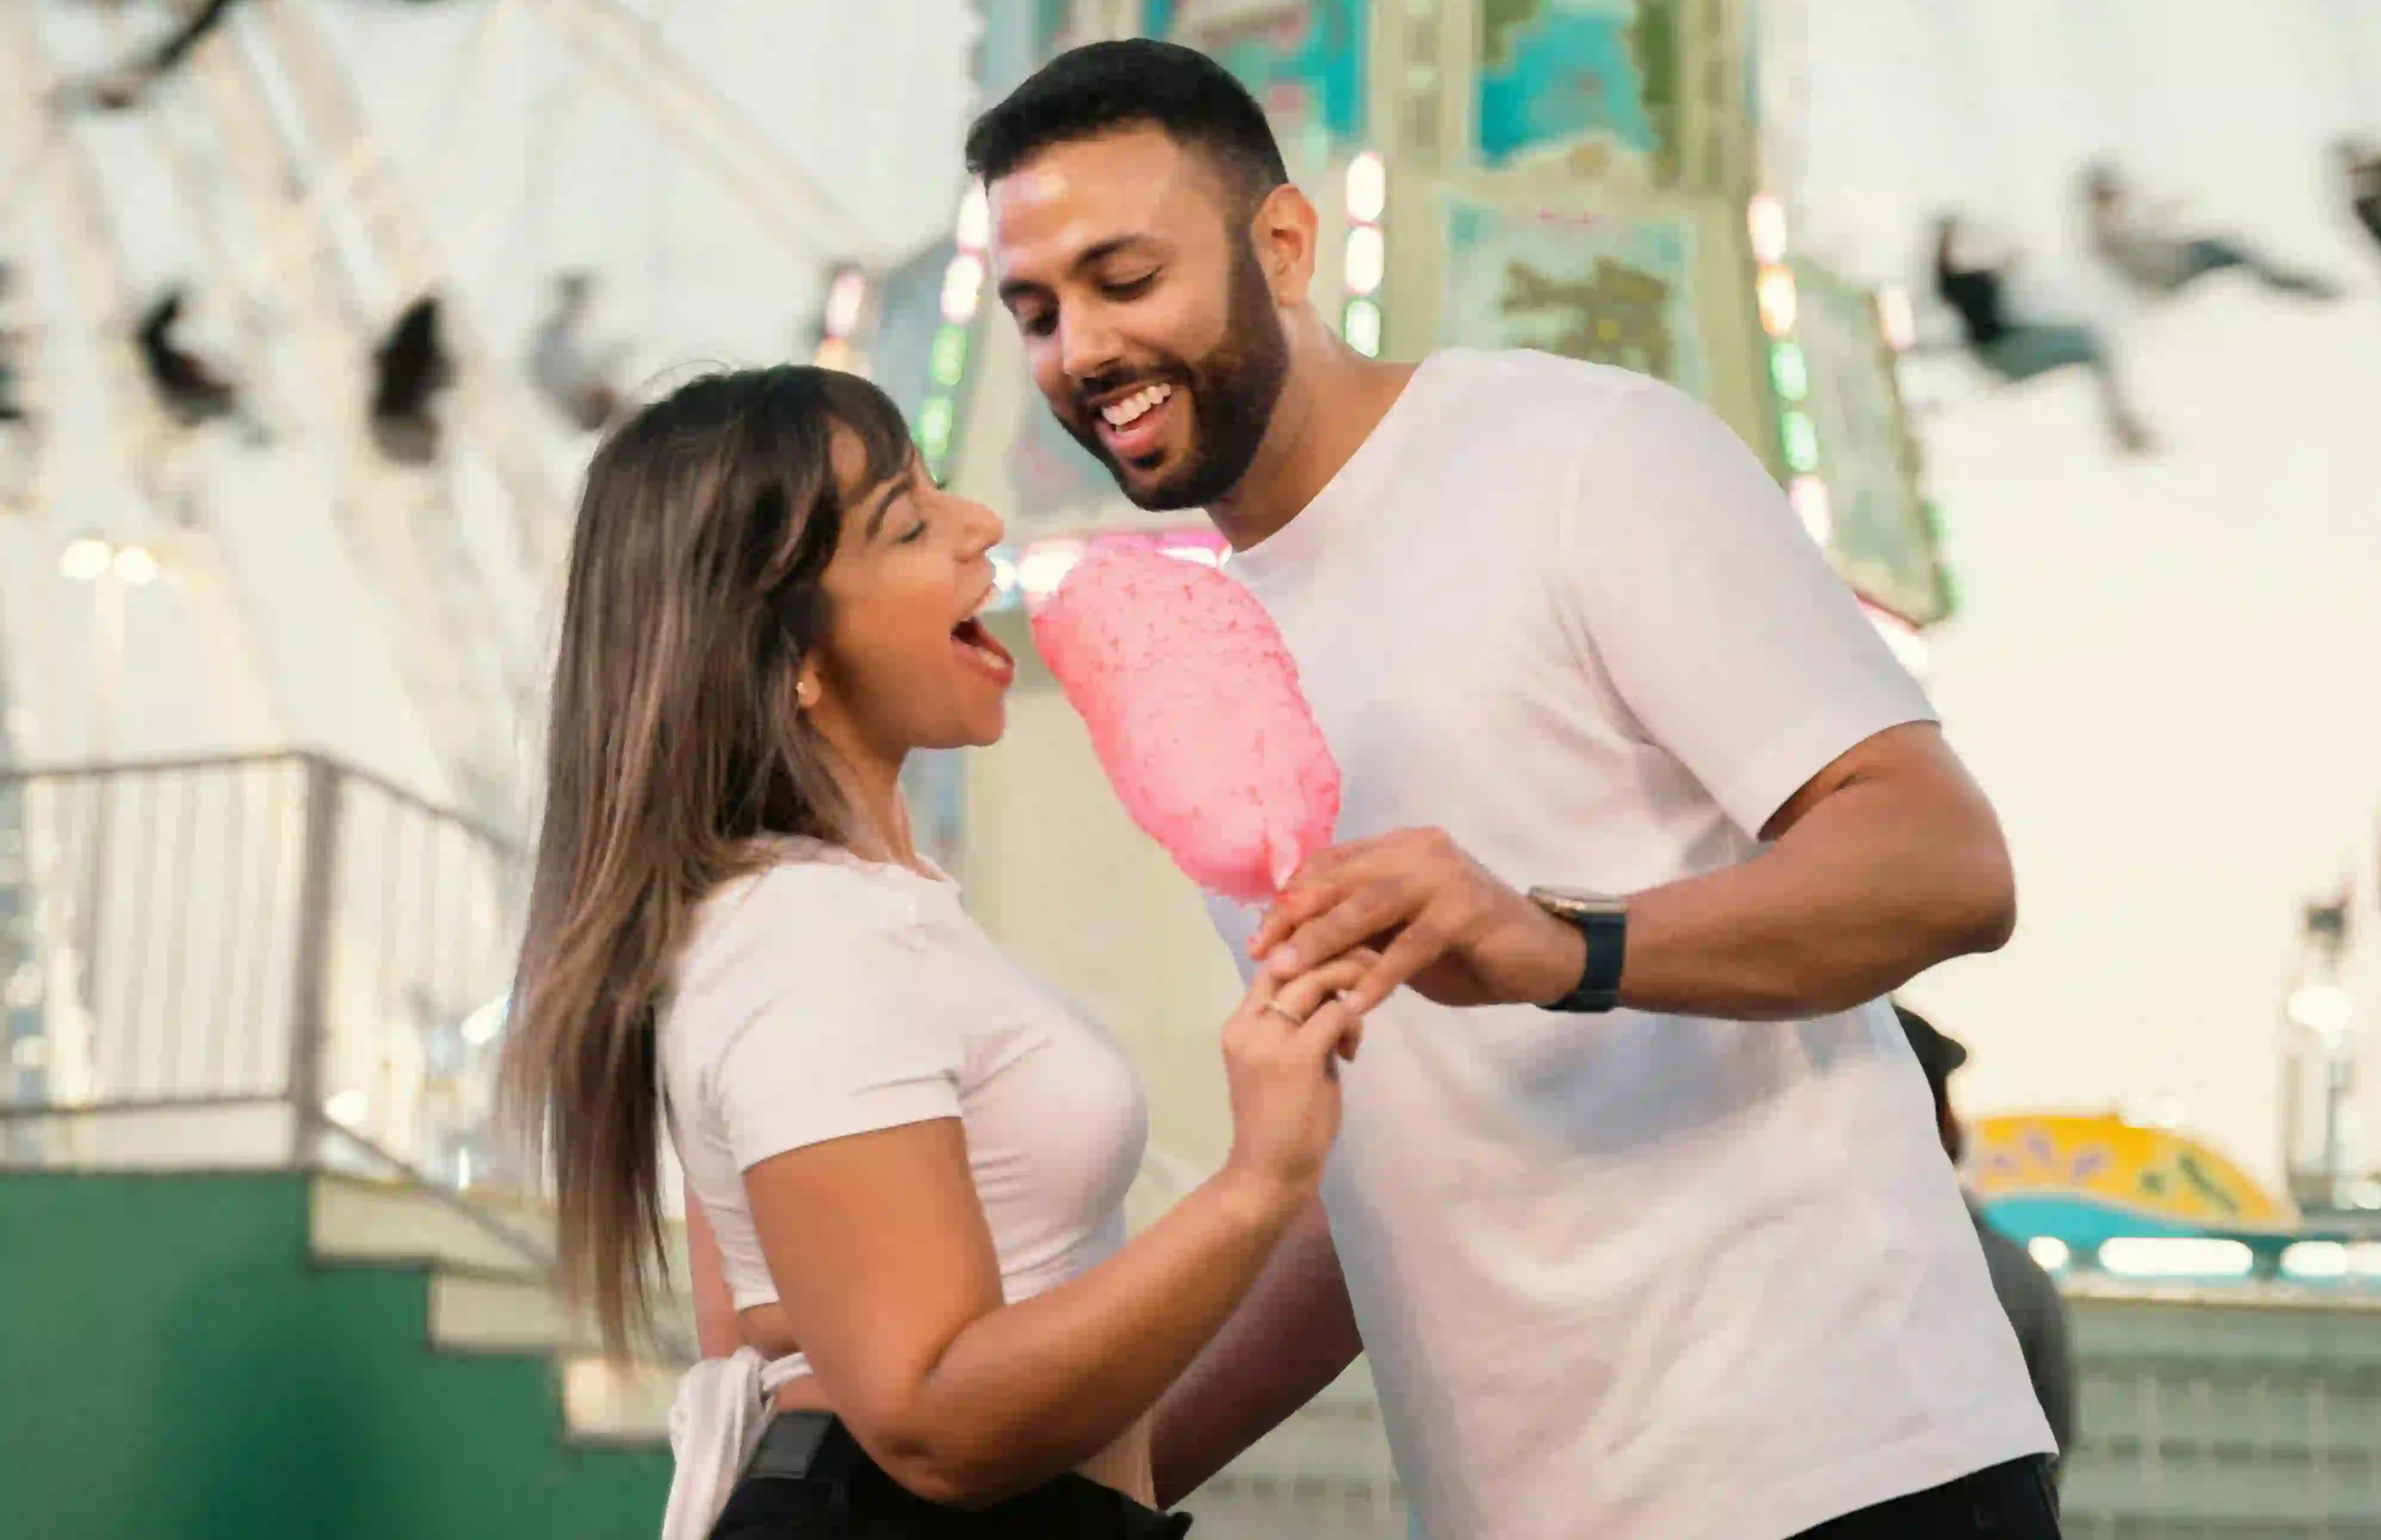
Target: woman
{"x":912,"y":1157}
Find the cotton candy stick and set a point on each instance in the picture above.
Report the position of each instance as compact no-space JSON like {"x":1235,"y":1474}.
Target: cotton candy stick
{"x":1194,"y":710}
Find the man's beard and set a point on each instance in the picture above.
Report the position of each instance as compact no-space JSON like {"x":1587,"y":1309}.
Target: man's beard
{"x":1232,"y":393}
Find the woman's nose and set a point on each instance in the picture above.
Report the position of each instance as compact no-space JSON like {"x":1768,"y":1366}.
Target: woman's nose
{"x":984,"y":528}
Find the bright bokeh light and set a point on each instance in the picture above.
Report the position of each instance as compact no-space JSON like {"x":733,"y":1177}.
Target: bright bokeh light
{"x":1790,"y":371}
{"x":347,"y":1108}
{"x":2316,"y":1259}
{"x":1368,"y":259}
{"x":2049,"y":1251}
{"x":485,"y":1024}
{"x":2176,"y":1256}
{"x":1775,"y":291}
{"x":845,"y":298}
{"x":135,"y":565}
{"x":1800,"y":437}
{"x":1764,"y":221}
{"x":962,"y":288}
{"x":1045,"y":565}
{"x":1897,"y":319}
{"x":949,"y":359}
{"x":973,"y":230}
{"x":834,"y":352}
{"x":86,"y":560}
{"x":1368,"y":189}
{"x":934,"y":429}
{"x":1361,"y":326}
{"x":2322,"y":1009}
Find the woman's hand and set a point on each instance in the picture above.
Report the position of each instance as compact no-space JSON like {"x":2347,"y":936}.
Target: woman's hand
{"x":1281,"y":1049}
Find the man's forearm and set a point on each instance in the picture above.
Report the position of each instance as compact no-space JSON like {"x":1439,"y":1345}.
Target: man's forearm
{"x":1292,"y":1337}
{"x":1871,"y":888}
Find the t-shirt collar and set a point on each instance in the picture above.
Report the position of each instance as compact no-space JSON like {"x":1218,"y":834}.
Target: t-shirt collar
{"x":1298,"y":543}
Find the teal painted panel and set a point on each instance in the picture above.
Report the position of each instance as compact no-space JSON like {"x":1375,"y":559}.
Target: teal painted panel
{"x":1304,"y":60}
{"x":178,"y":1369}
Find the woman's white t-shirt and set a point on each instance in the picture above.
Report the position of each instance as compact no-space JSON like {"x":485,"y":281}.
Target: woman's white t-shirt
{"x":827,"y":997}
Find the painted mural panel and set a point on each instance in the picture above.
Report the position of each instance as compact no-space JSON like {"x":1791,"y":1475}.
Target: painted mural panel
{"x":1591,"y":286}
{"x":1302,"y":59}
{"x":1595,"y":82}
{"x":1884,"y":541}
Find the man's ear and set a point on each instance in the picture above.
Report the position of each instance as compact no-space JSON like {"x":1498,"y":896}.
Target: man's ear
{"x":1284,"y":229}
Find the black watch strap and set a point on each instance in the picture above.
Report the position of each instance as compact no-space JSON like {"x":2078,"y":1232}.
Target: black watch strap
{"x":1603,"y":923}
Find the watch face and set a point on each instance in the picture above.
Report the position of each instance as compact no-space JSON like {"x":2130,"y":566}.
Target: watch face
{"x":1577,"y":900}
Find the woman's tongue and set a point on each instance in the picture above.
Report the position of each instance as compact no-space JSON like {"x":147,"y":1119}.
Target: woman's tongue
{"x":972,"y":636}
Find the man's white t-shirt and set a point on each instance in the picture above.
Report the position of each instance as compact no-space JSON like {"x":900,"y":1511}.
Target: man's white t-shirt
{"x":1628,"y":1276}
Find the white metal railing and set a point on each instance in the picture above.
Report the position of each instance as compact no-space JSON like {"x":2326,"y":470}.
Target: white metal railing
{"x":276,"y":937}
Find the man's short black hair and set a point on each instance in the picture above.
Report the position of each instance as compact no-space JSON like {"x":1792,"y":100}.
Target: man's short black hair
{"x":1134,"y":83}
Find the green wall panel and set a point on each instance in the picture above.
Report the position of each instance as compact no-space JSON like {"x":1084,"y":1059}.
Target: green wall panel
{"x":175,"y":1366}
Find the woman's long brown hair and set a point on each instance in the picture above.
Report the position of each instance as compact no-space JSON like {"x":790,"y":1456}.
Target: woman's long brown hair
{"x":693,"y":597}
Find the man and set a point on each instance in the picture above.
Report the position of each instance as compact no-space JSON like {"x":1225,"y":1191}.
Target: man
{"x":576,"y":379}
{"x":2027,"y":1294}
{"x":191,"y":391}
{"x":1973,"y":285}
{"x":410,"y":369}
{"x":2142,"y":246}
{"x":126,"y":85}
{"x":1688,"y":1269}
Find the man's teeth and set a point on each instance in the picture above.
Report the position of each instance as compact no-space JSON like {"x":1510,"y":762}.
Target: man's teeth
{"x":1124,"y":413}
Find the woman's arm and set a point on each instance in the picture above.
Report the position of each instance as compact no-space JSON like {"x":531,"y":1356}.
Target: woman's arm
{"x":887,"y":1271}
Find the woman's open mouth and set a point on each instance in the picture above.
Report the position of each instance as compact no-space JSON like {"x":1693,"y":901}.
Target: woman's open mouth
{"x":976,"y":645}
{"x":1134,"y":428}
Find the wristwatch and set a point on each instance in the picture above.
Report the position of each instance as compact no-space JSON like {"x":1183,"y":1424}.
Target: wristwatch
{"x":1602,"y":922}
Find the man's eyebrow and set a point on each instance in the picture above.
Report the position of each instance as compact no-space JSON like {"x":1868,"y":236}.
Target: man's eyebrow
{"x":905,"y":482}
{"x":1013,"y":290}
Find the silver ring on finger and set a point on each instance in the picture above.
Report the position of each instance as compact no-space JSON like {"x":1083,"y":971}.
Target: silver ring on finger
{"x":1286,"y":1014}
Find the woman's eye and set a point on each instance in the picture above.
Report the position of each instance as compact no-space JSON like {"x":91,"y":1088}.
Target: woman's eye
{"x":1037,"y":325}
{"x":1131,"y":288}
{"x":912,"y":534}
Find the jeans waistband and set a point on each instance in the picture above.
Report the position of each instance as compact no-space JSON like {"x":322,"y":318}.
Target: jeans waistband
{"x":814,"y":1446}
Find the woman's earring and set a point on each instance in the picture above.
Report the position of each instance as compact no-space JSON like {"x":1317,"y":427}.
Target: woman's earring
{"x":806,"y":694}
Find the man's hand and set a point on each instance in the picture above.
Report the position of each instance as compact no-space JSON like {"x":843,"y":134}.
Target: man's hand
{"x":1440,"y":922}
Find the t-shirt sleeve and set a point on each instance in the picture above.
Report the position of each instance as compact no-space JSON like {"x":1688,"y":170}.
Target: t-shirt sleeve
{"x":831,"y":1025}
{"x":1715,"y":617}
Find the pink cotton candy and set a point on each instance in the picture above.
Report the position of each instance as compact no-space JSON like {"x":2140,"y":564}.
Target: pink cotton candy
{"x":1195,"y":712}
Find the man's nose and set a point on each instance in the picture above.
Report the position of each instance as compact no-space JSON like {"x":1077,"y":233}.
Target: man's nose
{"x":1088,"y":349}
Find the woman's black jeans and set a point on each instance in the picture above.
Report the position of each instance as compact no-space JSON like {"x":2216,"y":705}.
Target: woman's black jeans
{"x":810,"y":1480}
{"x":2015,"y":1501}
